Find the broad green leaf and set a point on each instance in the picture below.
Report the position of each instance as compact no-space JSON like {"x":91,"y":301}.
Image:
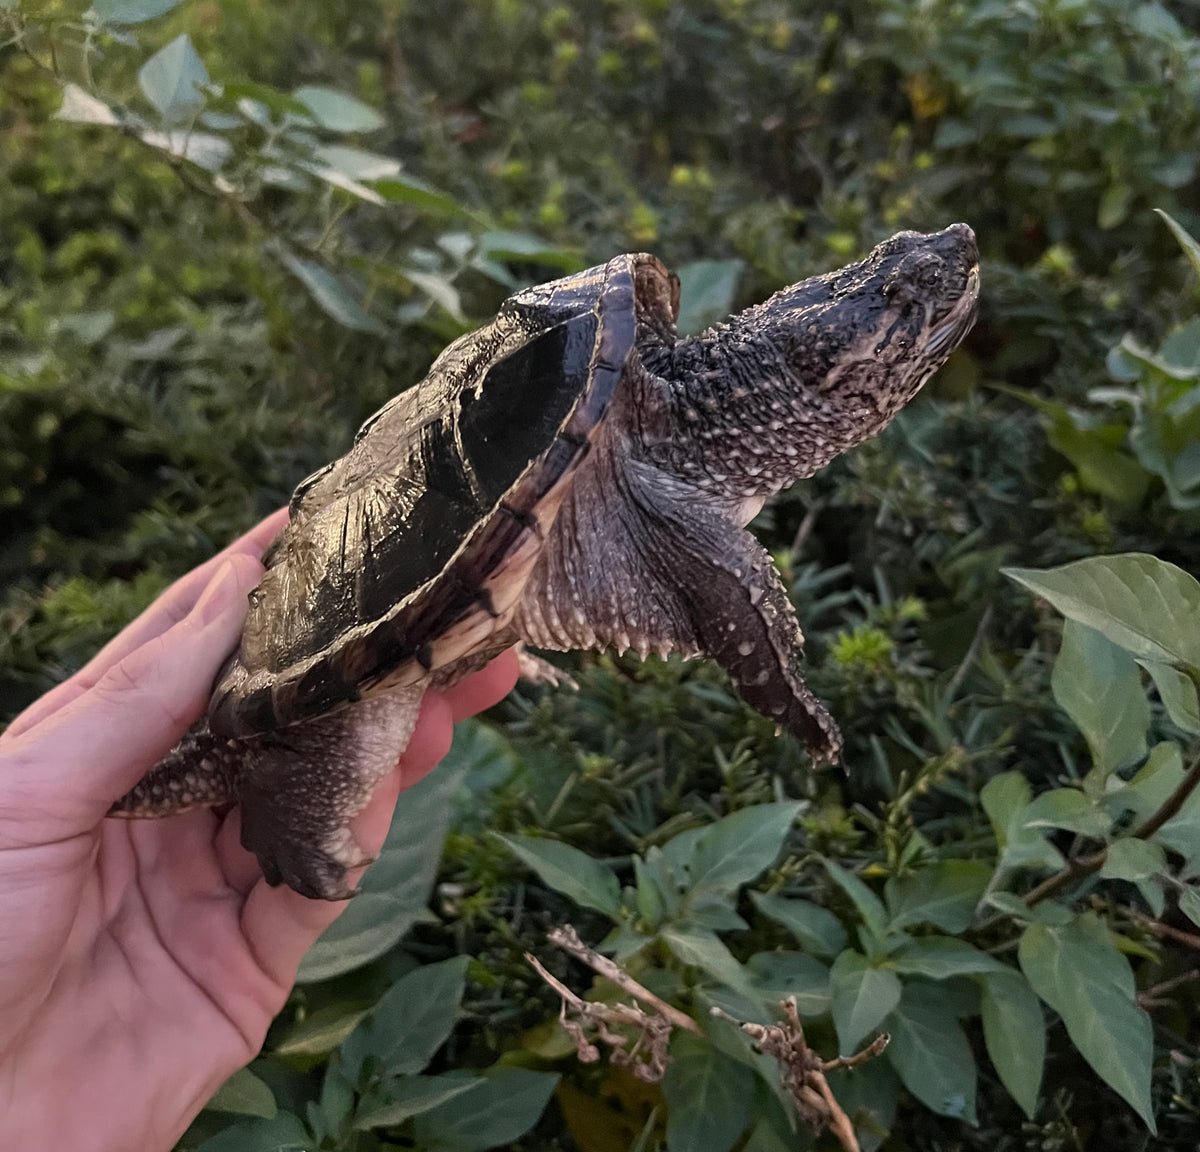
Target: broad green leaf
{"x":504,"y":1107}
{"x":1097,"y":684}
{"x":132,"y":11}
{"x":172,"y":80}
{"x":931,"y":1053}
{"x":870,"y":1095}
{"x":410,"y":1022}
{"x":522,"y":248}
{"x":395,"y":890}
{"x":438,"y":289}
{"x":246,"y":1094}
{"x":567,"y":870}
{"x":282,"y":1133}
{"x":1067,"y":808}
{"x":1189,"y":905}
{"x":1044,"y":912}
{"x":706,"y":293}
{"x":1004,"y":799}
{"x":1132,"y":859}
{"x":941,"y":957}
{"x":735,"y":849}
{"x":944,"y":894}
{"x":1079,"y":972}
{"x":1177,"y":690}
{"x":778,"y":975}
{"x":816,"y":929}
{"x":337,"y":111}
{"x":80,"y":107}
{"x":1015,"y":1033}
{"x":321,"y":1031}
{"x":1145,"y":605}
{"x":861,"y":997}
{"x":708,"y":1097}
{"x":202,"y":148}
{"x":356,"y":163}
{"x":869,"y":906}
{"x":400,"y":1099}
{"x":404,"y":189}
{"x":334,"y":297}
{"x":702,"y":949}
{"x":1191,"y":249}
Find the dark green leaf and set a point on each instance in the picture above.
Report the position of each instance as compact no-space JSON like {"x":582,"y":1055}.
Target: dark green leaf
{"x":132,"y":11}
{"x":869,"y":906}
{"x":1189,"y":904}
{"x":735,"y":849}
{"x":1067,"y":808}
{"x":337,"y":111}
{"x":778,"y":975}
{"x":816,"y":929}
{"x":504,"y":1107}
{"x":321,"y":1031}
{"x":1015,"y":1033}
{"x":567,"y":870}
{"x":1133,"y":860}
{"x":861,"y":997}
{"x":944,"y":894}
{"x":1177,"y":690}
{"x":931,"y":1053}
{"x":401,"y":1099}
{"x":708,"y":1097}
{"x":1191,"y":249}
{"x":702,"y":949}
{"x":395,"y":890}
{"x":334,"y":296}
{"x":282,"y":1133}
{"x":172,"y":80}
{"x":1078,"y":971}
{"x":707,"y":289}
{"x":941,"y":957}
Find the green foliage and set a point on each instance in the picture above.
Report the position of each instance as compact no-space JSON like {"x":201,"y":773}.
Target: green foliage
{"x":232,"y":231}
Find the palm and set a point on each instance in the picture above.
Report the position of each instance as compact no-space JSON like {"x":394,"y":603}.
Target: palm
{"x":142,"y":962}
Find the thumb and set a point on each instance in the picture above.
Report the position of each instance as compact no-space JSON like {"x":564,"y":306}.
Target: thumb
{"x":69,"y":768}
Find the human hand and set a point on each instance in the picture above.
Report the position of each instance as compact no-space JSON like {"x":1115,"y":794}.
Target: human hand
{"x":141,"y":961}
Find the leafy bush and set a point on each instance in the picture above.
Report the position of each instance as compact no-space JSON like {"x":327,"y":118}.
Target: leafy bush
{"x":234,"y":230}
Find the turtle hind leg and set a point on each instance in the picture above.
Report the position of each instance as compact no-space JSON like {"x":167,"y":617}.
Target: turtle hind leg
{"x":199,"y":772}
{"x":301,"y":786}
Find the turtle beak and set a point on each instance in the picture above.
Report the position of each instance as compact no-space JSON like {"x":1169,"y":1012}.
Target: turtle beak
{"x":958,"y":321}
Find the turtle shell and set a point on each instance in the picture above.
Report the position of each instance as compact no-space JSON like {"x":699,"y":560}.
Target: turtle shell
{"x":411,"y":550}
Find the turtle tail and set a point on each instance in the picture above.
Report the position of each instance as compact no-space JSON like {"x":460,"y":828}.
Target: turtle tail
{"x":199,"y":772}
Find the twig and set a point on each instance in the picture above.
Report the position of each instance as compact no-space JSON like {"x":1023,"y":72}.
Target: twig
{"x":802,"y":1071}
{"x":1153,"y":997}
{"x":1189,"y":939}
{"x":568,"y":939}
{"x":807,"y":524}
{"x":960,"y":673}
{"x":1083,"y":866}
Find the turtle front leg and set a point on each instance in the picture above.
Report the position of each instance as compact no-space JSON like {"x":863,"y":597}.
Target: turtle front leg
{"x":638,"y":558}
{"x":300,"y":787}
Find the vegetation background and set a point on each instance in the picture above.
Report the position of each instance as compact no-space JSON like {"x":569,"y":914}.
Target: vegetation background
{"x":231,"y":230}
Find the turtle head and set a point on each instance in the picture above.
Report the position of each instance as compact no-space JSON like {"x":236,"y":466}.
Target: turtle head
{"x":869,"y":335}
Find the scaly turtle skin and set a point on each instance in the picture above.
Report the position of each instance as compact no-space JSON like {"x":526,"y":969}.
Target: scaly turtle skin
{"x":570,"y":476}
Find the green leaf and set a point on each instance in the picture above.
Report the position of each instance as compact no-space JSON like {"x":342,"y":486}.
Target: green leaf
{"x":931,"y":1053}
{"x":504,"y":1107}
{"x":1189,"y":905}
{"x":1191,"y":249}
{"x":869,"y":906}
{"x":404,"y":189}
{"x":1044,"y":912}
{"x":1015,"y":1033}
{"x":401,"y":1099}
{"x":1004,"y":799}
{"x":395,"y":890}
{"x":282,"y":1133}
{"x":708,"y":1097}
{"x":778,"y":975}
{"x":702,"y":949}
{"x":861,"y":997}
{"x":522,"y":248}
{"x":816,"y":929}
{"x":332,"y":294}
{"x":321,"y":1031}
{"x":944,"y":894}
{"x":410,"y":1022}
{"x":337,"y":111}
{"x":246,"y":1094}
{"x":1079,"y":972}
{"x":706,"y":293}
{"x":80,"y":107}
{"x":870,"y":1095}
{"x":1133,"y":860}
{"x":1177,"y":690}
{"x":941,"y":957}
{"x":567,"y":870}
{"x":1143,"y":604}
{"x":202,"y":148}
{"x":1097,"y":684}
{"x":132,"y":11}
{"x":1067,"y":808}
{"x":172,"y":80}
{"x":735,"y":849}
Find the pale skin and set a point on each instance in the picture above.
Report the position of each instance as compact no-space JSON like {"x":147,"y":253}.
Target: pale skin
{"x":141,"y":962}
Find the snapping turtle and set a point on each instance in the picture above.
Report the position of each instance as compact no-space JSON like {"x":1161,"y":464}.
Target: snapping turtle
{"x":571,"y":476}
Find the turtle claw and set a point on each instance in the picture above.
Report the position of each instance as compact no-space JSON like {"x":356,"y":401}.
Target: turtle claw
{"x":307,"y":869}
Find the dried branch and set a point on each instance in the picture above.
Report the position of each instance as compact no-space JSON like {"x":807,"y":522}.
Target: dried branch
{"x":802,"y":1071}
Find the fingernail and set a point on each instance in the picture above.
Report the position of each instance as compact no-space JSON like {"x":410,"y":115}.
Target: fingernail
{"x":217,"y":597}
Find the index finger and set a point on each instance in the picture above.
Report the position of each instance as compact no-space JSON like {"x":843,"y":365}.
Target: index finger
{"x":167,"y":610}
